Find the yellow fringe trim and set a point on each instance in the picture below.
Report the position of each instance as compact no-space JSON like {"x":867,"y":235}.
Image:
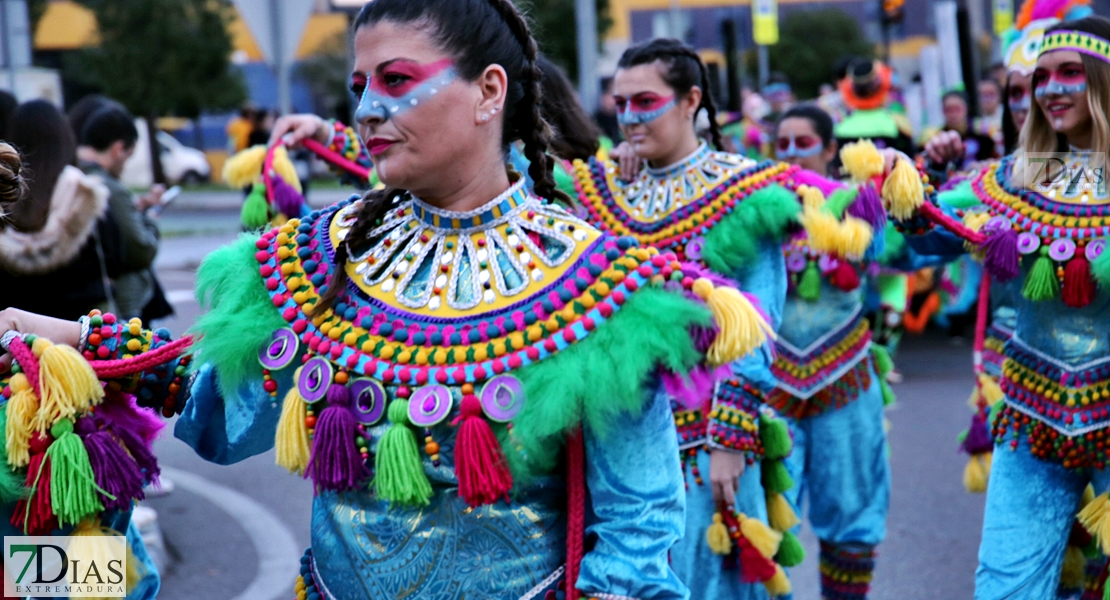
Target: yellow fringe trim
{"x":762,"y":537}
{"x":825,"y":233}
{"x":1088,"y":496}
{"x":989,"y":390}
{"x":903,"y":190}
{"x":977,"y":472}
{"x":780,"y":514}
{"x":742,"y":328}
{"x":285,"y":169}
{"x":67,"y":382}
{"x":1095,"y":517}
{"x":811,"y":196}
{"x":862,"y":160}
{"x":22,"y":407}
{"x":717,"y":537}
{"x":291,"y":441}
{"x":779,"y":584}
{"x":87,"y":544}
{"x":975,"y":220}
{"x":244,"y":167}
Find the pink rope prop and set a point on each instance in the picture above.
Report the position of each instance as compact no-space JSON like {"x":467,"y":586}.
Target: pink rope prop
{"x":576,"y":510}
{"x":933,"y":213}
{"x":112,"y":369}
{"x":981,"y":322}
{"x":27,"y":361}
{"x":268,"y":166}
{"x":336,"y":159}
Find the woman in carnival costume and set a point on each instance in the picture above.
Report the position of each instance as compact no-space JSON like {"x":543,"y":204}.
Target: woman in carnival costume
{"x":732,"y":215}
{"x":1050,"y":428}
{"x":451,"y":346}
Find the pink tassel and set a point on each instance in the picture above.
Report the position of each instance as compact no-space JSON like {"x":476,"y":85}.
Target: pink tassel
{"x":1079,"y":289}
{"x":845,"y":276}
{"x":480,"y":464}
{"x":336,"y":463}
{"x":1000,"y":254}
{"x":692,"y":393}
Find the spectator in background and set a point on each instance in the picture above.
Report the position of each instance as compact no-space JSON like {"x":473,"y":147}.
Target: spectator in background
{"x":977,"y":147}
{"x":606,"y":115}
{"x":990,"y":105}
{"x":107,"y":141}
{"x":261,"y":125}
{"x":81,"y":110}
{"x":61,"y":248}
{"x":239,"y":129}
{"x":998,"y":73}
{"x":8,"y":103}
{"x":779,"y":96}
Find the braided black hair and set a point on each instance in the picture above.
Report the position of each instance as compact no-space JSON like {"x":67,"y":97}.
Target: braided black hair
{"x":683,"y":70}
{"x":477,"y":34}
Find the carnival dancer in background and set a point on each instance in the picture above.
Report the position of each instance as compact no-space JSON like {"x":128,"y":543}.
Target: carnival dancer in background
{"x":865,"y":91}
{"x":746,"y":131}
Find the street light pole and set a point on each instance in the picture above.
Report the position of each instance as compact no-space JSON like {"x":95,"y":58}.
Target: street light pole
{"x":281,"y":62}
{"x":585,"y":18}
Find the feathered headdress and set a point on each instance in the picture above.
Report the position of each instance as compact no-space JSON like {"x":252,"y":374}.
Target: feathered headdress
{"x":1022,"y":43}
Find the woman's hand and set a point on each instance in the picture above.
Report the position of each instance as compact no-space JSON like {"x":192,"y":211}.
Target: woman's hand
{"x":725,"y":469}
{"x":945,"y":147}
{"x":299,"y":128}
{"x":627,"y":160}
{"x":58,"y":331}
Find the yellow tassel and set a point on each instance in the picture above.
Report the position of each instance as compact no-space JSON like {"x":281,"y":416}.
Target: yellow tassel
{"x":291,"y":444}
{"x":742,"y":328}
{"x":717,"y":537}
{"x":989,"y":390}
{"x":284,"y":167}
{"x":86,"y":545}
{"x":1095,"y":517}
{"x":22,"y":407}
{"x":780,"y":514}
{"x":811,"y":196}
{"x":1088,"y":496}
{"x":975,"y":475}
{"x":778,"y":584}
{"x":67,"y":382}
{"x":975,"y":220}
{"x":903,"y":190}
{"x":245,"y":167}
{"x":822,"y":230}
{"x":973,"y":399}
{"x":855,"y":238}
{"x":1073,"y":574}
{"x":862,"y":160}
{"x":765,"y":539}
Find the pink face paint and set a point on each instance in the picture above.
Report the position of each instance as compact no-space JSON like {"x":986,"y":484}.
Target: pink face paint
{"x":399,"y":85}
{"x":1066,"y":79}
{"x":642,"y":108}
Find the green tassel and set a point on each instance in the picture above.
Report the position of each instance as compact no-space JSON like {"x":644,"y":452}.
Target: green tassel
{"x":809,"y":285}
{"x":399,"y":473}
{"x":883,"y":363}
{"x":775,"y":477}
{"x":1041,"y":283}
{"x":888,"y":392}
{"x":775,"y":437}
{"x":791,"y":553}
{"x":73,"y":489}
{"x":256,"y":211}
{"x":11,"y":484}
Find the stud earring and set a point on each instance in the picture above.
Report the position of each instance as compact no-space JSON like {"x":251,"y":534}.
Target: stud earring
{"x":485,"y":118}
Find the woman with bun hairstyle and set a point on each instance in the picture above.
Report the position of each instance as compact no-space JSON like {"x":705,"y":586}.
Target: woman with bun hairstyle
{"x":738,"y":219}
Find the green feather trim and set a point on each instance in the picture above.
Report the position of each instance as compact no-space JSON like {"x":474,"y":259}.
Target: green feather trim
{"x":775,"y":438}
{"x":767,"y":213}
{"x":840,"y":200}
{"x":1041,"y":283}
{"x":240,"y":317}
{"x":11,"y":483}
{"x":1100,"y":268}
{"x":791,"y":553}
{"x":600,"y":380}
{"x":255,"y":213}
{"x":960,"y":197}
{"x":894,"y":244}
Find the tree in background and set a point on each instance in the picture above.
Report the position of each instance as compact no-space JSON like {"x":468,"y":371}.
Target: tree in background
{"x":162,"y":58}
{"x":328,"y":76}
{"x":810,"y":44}
{"x":553,"y":24}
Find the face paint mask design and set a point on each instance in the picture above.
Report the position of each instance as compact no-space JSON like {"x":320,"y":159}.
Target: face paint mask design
{"x":643,"y":108}
{"x":398,"y":87}
{"x":1019,"y":102}
{"x":1066,"y":80}
{"x":797,"y":147}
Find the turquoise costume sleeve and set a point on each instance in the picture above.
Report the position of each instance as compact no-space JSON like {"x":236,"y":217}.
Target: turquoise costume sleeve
{"x":637,"y":507}
{"x":931,"y":240}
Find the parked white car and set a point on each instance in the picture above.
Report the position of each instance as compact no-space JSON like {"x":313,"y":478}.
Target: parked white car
{"x":181,"y":163}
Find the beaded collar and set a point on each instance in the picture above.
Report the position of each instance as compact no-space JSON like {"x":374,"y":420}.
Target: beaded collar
{"x":671,"y":208}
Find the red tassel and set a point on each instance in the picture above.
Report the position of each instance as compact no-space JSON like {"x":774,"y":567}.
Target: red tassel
{"x":576,"y":511}
{"x":1079,"y":289}
{"x":38,"y":518}
{"x":754,"y":567}
{"x":845,"y":276}
{"x":480,"y":464}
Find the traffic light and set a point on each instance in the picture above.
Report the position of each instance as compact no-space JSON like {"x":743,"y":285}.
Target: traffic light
{"x":893,"y":10}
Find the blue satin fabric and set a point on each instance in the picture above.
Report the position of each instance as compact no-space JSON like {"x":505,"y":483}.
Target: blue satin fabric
{"x":840,"y":465}
{"x":804,"y":322}
{"x":1031,"y":504}
{"x":764,"y":278}
{"x":702,"y":570}
{"x":366,"y":549}
{"x":147,"y":587}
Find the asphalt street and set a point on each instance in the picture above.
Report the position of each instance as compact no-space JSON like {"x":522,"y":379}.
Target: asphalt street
{"x":235,"y":532}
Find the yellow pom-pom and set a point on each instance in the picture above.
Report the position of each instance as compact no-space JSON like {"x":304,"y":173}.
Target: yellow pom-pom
{"x":284,"y":167}
{"x":778,"y":584}
{"x":717,"y":537}
{"x":741,"y":328}
{"x":862,"y":160}
{"x":68,"y":385}
{"x":855,"y":238}
{"x":989,"y":390}
{"x":822,"y":230}
{"x":762,"y":537}
{"x":780,"y":514}
{"x":975,"y":220}
{"x":903,"y":191}
{"x":291,"y":441}
{"x":1095,"y":517}
{"x":22,"y":407}
{"x":1073,"y":573}
{"x":811,"y":196}
{"x":245,"y":167}
{"x":975,"y":474}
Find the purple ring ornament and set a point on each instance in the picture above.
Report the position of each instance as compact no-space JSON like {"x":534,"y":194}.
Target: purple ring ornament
{"x":1028,"y":243}
{"x":796,"y":262}
{"x":502,"y":398}
{"x":369,"y":400}
{"x":280,"y":351}
{"x":316,"y":376}
{"x":430,"y":405}
{"x":694,"y":247}
{"x":1095,"y":248}
{"x":1061,"y":249}
{"x":997,"y":223}
{"x":827,"y":263}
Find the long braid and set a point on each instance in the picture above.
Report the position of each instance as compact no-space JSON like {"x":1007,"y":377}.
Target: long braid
{"x":375,"y":204}
{"x":706,"y":99}
{"x":526,"y":119}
